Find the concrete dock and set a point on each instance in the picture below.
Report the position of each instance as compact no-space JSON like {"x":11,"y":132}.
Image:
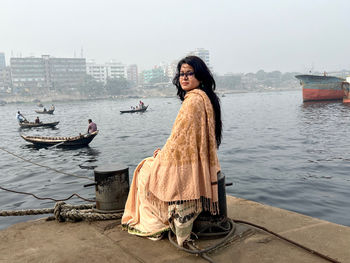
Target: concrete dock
{"x":104,"y":241}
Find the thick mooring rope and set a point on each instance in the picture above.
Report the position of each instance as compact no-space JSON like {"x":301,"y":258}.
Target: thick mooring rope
{"x":26,"y":212}
{"x":66,"y":212}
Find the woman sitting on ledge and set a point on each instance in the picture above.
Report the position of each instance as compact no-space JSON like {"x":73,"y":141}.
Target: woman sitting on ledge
{"x":170,"y":189}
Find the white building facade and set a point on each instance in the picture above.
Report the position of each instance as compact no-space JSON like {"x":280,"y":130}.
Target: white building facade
{"x":115,"y":70}
{"x":97,"y":71}
{"x":103,"y":72}
{"x":203,"y":54}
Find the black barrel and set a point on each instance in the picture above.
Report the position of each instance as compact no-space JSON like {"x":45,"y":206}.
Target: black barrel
{"x":112,"y":187}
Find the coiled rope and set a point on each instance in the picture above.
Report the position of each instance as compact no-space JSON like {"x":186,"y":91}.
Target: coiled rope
{"x":203,"y":252}
{"x":66,"y":212}
{"x":44,"y":166}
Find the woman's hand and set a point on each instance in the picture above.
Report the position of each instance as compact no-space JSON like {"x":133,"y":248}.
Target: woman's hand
{"x":156,"y":151}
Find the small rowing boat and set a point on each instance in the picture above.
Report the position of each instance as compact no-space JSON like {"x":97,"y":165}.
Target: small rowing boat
{"x":136,"y":110}
{"x":40,"y":124}
{"x":45,"y":111}
{"x":75,"y":141}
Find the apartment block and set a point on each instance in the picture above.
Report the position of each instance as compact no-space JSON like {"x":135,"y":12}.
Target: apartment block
{"x":103,"y":72}
{"x":203,"y":54}
{"x":2,"y":61}
{"x":97,"y":71}
{"x":154,"y":75}
{"x":34,"y":74}
{"x":5,"y":80}
{"x":132,"y":74}
{"x":66,"y":72}
{"x":115,"y":70}
{"x":28,"y":73}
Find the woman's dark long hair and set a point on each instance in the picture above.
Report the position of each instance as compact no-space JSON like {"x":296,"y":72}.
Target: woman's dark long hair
{"x":205,"y":77}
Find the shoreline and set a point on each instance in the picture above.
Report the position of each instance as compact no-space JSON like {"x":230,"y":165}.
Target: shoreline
{"x":16,"y":99}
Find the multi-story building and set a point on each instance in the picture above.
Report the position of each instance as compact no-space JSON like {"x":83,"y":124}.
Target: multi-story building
{"x":102,"y":72}
{"x":115,"y":70}
{"x":28,"y":73}
{"x":132,"y":74}
{"x":140,"y":79}
{"x":34,"y":74}
{"x":5,"y":80}
{"x":67,"y":72}
{"x":170,"y":70}
{"x":2,"y":60}
{"x":154,"y":75}
{"x":203,"y":54}
{"x":97,"y":71}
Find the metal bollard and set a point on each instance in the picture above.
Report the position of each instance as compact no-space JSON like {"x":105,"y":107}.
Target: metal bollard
{"x":205,"y":222}
{"x":222,"y":195}
{"x":112,"y":187}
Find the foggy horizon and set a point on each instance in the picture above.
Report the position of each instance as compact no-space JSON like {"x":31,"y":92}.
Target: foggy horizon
{"x":242,"y":37}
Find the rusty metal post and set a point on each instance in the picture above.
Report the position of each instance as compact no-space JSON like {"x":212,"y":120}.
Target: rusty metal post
{"x":112,"y":187}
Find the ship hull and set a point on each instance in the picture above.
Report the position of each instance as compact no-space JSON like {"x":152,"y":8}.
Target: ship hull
{"x":322,"y":94}
{"x":321,"y":87}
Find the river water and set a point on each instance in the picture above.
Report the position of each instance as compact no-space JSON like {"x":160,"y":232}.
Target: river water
{"x":276,"y":150}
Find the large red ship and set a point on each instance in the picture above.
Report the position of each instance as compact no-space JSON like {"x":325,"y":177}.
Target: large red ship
{"x":321,"y":87}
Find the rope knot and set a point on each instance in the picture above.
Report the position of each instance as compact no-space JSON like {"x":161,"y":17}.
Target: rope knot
{"x":57,"y":211}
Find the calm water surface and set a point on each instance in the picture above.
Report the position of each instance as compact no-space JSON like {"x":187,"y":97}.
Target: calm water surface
{"x":276,"y":150}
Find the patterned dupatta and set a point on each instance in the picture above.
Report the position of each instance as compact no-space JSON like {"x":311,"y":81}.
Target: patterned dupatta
{"x":186,"y":168}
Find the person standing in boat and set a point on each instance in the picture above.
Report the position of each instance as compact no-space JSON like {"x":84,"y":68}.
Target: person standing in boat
{"x":171,"y":188}
{"x":20,"y":117}
{"x":37,"y":120}
{"x":92,"y":126}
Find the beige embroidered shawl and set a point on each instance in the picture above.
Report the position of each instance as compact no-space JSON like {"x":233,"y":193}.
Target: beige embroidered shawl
{"x":186,"y":168}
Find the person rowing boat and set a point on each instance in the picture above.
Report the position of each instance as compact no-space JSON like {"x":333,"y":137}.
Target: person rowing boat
{"x":20,"y":117}
{"x":92,"y":126}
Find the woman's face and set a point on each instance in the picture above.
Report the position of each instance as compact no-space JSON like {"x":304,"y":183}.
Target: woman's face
{"x":187,"y":79}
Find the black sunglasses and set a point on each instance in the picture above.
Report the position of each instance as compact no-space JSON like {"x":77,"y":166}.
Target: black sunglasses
{"x":187,"y":74}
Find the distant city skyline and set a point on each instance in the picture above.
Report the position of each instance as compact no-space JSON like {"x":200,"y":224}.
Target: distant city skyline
{"x":241,"y":36}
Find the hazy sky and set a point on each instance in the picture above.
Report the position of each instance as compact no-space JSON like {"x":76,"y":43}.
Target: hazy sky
{"x":241,"y":35}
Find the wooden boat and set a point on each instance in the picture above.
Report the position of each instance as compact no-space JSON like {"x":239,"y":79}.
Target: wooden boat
{"x":40,"y":124}
{"x":45,"y":112}
{"x":75,"y":141}
{"x":132,"y":111}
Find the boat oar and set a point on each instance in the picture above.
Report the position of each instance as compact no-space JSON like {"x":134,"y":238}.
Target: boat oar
{"x":57,"y":144}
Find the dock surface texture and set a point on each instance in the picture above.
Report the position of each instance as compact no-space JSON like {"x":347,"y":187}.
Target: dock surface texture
{"x":105,"y":241}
